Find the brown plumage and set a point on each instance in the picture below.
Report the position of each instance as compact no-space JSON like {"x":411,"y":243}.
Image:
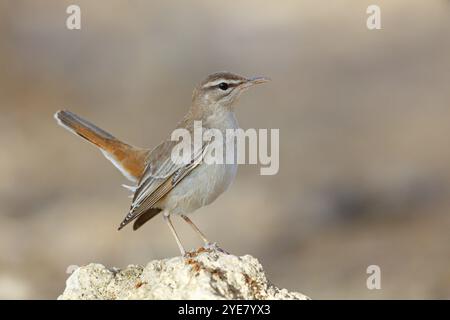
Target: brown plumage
{"x":129,"y":160}
{"x":161,"y":184}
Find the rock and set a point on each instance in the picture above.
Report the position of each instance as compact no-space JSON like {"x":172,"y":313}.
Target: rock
{"x":203,"y":274}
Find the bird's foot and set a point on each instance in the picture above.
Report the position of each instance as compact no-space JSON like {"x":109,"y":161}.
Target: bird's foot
{"x":214,"y":246}
{"x":209,"y":246}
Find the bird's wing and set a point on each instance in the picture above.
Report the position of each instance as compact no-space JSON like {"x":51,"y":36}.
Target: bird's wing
{"x":160,"y":176}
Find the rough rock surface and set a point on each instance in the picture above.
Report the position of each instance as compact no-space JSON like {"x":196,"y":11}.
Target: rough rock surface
{"x":203,"y":274}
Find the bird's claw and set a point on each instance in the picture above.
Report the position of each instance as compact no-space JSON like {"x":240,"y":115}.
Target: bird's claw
{"x":209,"y":246}
{"x":214,"y":246}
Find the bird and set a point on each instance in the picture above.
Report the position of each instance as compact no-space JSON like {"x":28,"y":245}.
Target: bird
{"x":160,"y":185}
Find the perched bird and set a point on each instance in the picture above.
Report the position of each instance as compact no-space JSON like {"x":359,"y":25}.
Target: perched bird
{"x":162,"y":185}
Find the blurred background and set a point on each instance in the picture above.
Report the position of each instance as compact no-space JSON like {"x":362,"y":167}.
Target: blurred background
{"x":364,"y":119}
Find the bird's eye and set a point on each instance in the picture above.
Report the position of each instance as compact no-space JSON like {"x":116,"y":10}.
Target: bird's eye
{"x":223,"y":86}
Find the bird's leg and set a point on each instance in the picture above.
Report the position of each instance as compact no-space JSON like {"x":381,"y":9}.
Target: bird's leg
{"x":169,"y":222}
{"x":207,"y":243}
{"x":197,"y":230}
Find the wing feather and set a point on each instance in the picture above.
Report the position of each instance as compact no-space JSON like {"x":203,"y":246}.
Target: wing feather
{"x":155,"y":184}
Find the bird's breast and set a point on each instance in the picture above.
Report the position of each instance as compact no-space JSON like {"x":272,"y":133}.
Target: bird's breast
{"x":209,"y":180}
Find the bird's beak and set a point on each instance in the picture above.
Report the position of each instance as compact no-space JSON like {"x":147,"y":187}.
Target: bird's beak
{"x":253,"y":81}
{"x":258,"y":80}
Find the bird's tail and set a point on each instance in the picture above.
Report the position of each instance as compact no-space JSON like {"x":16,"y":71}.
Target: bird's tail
{"x":128,"y":159}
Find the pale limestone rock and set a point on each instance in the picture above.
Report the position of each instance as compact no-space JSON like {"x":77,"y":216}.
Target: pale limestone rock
{"x":204,"y":274}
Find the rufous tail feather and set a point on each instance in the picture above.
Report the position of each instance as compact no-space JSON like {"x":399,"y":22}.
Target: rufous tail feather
{"x":128,"y":159}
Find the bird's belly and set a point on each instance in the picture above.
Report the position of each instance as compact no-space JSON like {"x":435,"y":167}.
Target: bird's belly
{"x":206,"y":182}
{"x":200,"y":188}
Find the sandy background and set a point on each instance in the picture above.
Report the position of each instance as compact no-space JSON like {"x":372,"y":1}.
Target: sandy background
{"x":364,"y":119}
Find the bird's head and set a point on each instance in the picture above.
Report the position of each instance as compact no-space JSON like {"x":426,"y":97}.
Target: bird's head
{"x":222,"y":89}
